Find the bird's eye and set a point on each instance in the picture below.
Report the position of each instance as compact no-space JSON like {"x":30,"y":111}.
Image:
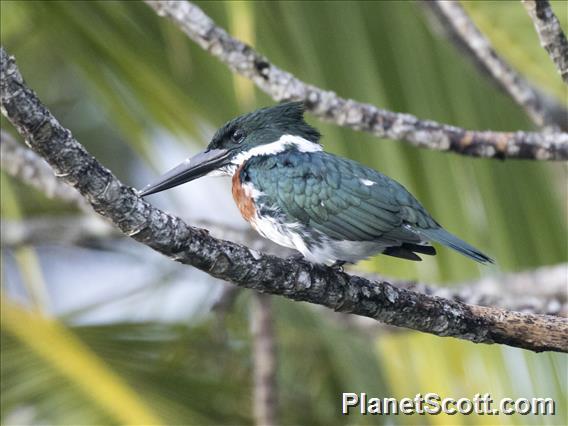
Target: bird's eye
{"x":238,"y":136}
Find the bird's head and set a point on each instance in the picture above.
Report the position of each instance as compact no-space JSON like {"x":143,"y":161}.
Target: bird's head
{"x":263,"y":132}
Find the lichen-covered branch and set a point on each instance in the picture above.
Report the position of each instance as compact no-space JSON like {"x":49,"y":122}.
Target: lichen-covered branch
{"x":327,"y":105}
{"x":550,"y":33}
{"x":462,"y":31}
{"x":293,"y":279}
{"x":540,"y":291}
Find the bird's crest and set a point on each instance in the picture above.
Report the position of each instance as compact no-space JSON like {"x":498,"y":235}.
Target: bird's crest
{"x":282,"y":119}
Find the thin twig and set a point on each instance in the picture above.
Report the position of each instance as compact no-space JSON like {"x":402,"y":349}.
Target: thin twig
{"x":291,"y":278}
{"x":550,"y":33}
{"x":327,"y":105}
{"x":462,"y":31}
{"x":265,"y":403}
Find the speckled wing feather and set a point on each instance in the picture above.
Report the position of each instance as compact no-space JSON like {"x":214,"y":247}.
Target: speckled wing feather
{"x":339,"y":197}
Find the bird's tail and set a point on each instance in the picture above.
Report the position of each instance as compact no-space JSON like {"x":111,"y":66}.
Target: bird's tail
{"x":442,"y":236}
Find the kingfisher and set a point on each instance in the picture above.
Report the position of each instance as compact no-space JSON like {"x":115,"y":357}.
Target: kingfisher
{"x":332,"y":210}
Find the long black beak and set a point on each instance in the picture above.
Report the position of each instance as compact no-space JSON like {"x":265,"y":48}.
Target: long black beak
{"x":192,"y":168}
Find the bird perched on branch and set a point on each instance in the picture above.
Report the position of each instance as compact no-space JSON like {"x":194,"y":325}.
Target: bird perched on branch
{"x":331,"y":209}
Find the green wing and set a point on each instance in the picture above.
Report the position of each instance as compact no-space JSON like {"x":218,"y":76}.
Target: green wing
{"x":339,"y":197}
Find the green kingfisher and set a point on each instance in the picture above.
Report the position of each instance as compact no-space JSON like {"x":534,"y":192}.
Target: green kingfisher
{"x":331,"y":209}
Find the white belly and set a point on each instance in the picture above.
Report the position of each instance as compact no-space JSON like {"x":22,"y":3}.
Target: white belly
{"x":286,"y":235}
{"x":327,"y":252}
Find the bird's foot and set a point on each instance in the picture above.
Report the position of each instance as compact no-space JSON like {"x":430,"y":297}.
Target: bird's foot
{"x":300,"y":259}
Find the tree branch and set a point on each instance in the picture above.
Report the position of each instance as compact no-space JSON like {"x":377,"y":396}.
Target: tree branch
{"x":455,"y":22}
{"x":550,"y":33}
{"x":541,"y":290}
{"x":327,"y":105}
{"x":538,"y":291}
{"x":296,"y":280}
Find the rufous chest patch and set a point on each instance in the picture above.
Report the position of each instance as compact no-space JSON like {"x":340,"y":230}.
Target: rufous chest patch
{"x":242,"y":197}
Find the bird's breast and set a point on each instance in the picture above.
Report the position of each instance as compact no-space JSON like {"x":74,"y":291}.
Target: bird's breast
{"x":243,"y":196}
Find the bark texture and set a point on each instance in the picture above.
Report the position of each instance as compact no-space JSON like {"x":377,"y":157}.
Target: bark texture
{"x":296,"y":280}
{"x":538,"y":291}
{"x":327,"y":105}
{"x":550,"y":33}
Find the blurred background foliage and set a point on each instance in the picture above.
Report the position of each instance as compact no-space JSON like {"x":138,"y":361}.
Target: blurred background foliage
{"x":129,"y":83}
